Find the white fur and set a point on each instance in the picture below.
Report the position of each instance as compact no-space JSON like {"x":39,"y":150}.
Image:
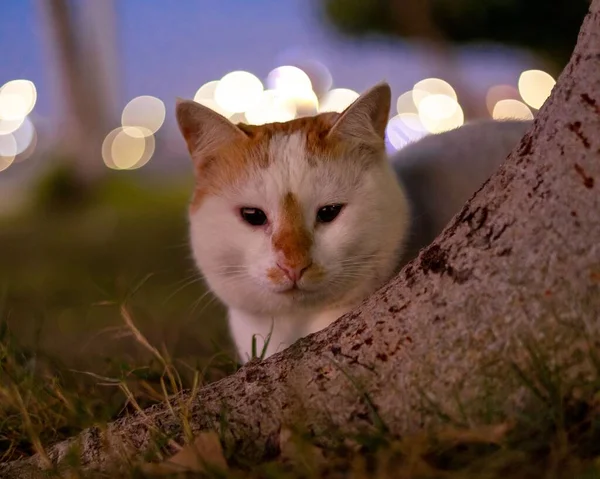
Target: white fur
{"x":358,"y":251}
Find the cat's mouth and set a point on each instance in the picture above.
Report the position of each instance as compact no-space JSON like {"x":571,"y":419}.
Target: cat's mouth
{"x":294,"y":289}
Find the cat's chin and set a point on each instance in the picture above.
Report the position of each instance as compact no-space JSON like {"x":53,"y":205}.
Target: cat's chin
{"x":292,"y":291}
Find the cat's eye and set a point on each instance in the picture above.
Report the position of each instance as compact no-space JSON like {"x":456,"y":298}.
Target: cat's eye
{"x":253,"y":216}
{"x":328,"y":213}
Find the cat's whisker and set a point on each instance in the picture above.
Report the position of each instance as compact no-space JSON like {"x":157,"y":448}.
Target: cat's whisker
{"x":212,"y":300}
{"x":196,"y":303}
{"x":188,"y":282}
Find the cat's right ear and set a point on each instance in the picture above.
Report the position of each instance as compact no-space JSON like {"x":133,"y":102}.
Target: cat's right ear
{"x":203,"y":129}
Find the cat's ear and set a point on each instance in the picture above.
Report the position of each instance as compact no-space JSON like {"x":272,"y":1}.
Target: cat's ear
{"x":368,"y":115}
{"x":203,"y":129}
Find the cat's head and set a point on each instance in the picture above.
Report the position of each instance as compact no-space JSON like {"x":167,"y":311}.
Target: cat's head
{"x":295,"y":215}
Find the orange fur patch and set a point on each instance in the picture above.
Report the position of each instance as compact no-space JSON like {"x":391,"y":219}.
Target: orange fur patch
{"x":276,"y":275}
{"x":234,"y":161}
{"x":292,"y":238}
{"x":314,"y":273}
{"x":227,"y":166}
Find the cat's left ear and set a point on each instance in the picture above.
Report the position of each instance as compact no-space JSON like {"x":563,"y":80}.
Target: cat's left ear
{"x":367,"y":116}
{"x":203,"y":129}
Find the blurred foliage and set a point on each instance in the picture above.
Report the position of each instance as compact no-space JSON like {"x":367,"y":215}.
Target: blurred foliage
{"x":59,"y":188}
{"x":548,"y":28}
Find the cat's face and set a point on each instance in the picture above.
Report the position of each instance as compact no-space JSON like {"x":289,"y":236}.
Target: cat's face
{"x":296,"y":215}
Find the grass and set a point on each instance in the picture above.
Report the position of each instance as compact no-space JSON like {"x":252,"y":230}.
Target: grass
{"x":66,"y":274}
{"x":101,"y":313}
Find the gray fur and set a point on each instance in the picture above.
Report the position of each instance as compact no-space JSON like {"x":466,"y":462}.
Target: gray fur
{"x":441,"y":172}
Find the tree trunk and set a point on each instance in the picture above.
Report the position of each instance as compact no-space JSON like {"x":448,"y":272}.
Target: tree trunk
{"x":518,"y":268}
{"x":84,"y":50}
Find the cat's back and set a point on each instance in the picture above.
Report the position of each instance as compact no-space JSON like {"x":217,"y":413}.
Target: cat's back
{"x":441,"y":172}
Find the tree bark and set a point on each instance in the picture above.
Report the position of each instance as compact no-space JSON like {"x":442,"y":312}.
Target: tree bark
{"x":518,"y":266}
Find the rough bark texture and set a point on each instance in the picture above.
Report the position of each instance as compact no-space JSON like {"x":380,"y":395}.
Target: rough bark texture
{"x":519,"y":265}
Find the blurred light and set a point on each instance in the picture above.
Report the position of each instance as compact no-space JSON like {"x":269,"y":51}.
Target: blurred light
{"x":289,"y":80}
{"x":8,"y":151}
{"x":294,"y":88}
{"x":432,"y":86}
{"x":535,"y":87}
{"x":404,"y":129}
{"x":238,"y":118}
{"x":440,"y":113}
{"x":8,"y":126}
{"x":319,"y":75}
{"x":499,"y":92}
{"x":206,"y":96}
{"x":206,"y":91}
{"x":511,"y":110}
{"x":17,"y":99}
{"x":29,"y":150}
{"x":147,"y":113}
{"x":128,"y":148}
{"x":406,"y":104}
{"x":23,"y":136}
{"x":305,"y":102}
{"x":272,"y":107}
{"x":337,"y":100}
{"x":238,"y":91}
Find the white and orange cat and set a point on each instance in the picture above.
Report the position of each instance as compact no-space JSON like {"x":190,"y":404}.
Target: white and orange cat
{"x":294,"y":224}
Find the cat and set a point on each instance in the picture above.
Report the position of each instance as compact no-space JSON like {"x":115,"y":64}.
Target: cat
{"x":440,"y":172}
{"x":294,"y":224}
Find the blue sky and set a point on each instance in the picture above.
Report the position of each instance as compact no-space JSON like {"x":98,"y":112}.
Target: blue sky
{"x":170,"y":48}
{"x":166,"y":48}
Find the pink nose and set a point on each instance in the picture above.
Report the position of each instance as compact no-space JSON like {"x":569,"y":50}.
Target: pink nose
{"x":294,"y":273}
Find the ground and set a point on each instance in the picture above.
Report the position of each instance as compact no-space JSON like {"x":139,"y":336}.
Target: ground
{"x":88,"y":289}
{"x":66,"y":272}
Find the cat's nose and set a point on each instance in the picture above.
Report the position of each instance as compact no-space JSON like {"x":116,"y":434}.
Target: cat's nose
{"x":294,"y":272}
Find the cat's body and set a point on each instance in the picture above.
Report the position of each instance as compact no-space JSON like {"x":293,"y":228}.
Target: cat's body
{"x":439,"y":173}
{"x":293,"y":224}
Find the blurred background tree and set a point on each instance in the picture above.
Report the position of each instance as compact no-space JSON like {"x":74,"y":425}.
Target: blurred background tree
{"x":82,"y":36}
{"x":549,"y":29}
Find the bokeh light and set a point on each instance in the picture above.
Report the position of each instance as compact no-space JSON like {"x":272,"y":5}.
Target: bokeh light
{"x":535,"y":87}
{"x":24,"y":136}
{"x":439,"y":112}
{"x":511,"y":110}
{"x":305,"y":102}
{"x":499,"y":92}
{"x":294,"y":87}
{"x":206,"y":96}
{"x":147,"y":113}
{"x":30,"y":149}
{"x":17,"y":99}
{"x":405,"y":128}
{"x":238,"y":91}
{"x":432,"y":86}
{"x":272,"y":107}
{"x":128,"y":148}
{"x":288,"y":80}
{"x":337,"y":100}
{"x":238,"y":118}
{"x":406,"y":104}
{"x":9,"y":126}
{"x":8,"y":151}
{"x":17,"y":145}
{"x":319,"y":74}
